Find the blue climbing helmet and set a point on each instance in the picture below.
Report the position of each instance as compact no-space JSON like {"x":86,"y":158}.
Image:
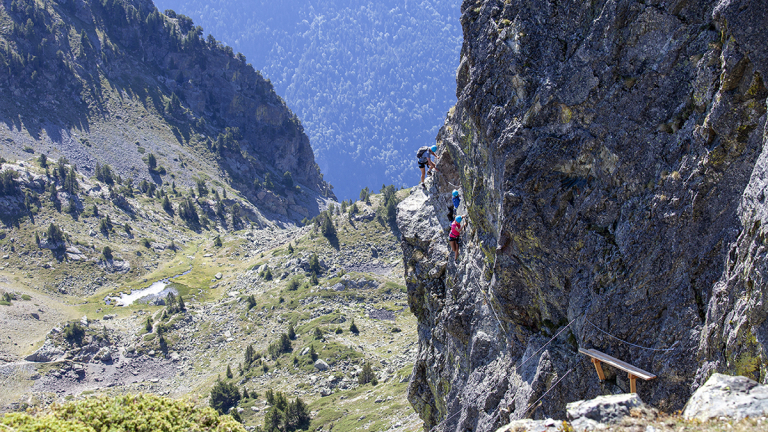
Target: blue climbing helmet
{"x":455,"y":193}
{"x":433,"y":148}
{"x":458,"y":219}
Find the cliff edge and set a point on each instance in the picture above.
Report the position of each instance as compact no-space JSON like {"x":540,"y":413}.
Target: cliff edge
{"x":610,"y":157}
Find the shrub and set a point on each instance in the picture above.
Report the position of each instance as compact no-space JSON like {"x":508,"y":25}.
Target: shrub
{"x":74,"y":333}
{"x":367,"y":376}
{"x":353,"y":328}
{"x":318,"y":334}
{"x":55,"y":235}
{"x":293,"y":285}
{"x":250,"y":302}
{"x":224,"y":396}
{"x":217,"y":241}
{"x":122,"y":413}
{"x":107,"y":253}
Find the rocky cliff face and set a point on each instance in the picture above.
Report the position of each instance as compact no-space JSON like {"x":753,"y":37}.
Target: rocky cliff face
{"x":111,"y":81}
{"x":610,"y":157}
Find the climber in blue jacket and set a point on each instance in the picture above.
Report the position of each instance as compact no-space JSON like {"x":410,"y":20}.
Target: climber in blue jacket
{"x":456,"y":202}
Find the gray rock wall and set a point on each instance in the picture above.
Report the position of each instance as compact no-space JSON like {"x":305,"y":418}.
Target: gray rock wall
{"x":610,"y":157}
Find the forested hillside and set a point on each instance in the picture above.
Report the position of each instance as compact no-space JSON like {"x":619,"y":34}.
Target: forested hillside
{"x":370,"y":81}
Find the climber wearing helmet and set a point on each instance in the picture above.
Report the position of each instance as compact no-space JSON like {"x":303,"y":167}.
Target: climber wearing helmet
{"x":456,"y":202}
{"x":423,"y":155}
{"x":456,"y":199}
{"x":453,"y":237}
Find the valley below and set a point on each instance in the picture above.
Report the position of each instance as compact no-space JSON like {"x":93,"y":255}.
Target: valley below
{"x":245,"y":292}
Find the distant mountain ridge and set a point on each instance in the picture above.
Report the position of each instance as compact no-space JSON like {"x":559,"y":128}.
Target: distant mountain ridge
{"x":112,"y":81}
{"x":370,"y":81}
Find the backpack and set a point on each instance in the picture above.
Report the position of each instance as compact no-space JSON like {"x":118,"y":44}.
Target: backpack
{"x":422,"y":154}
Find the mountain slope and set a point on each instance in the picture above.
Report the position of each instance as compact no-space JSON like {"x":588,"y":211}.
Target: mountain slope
{"x":111,"y":82}
{"x":369,"y":80}
{"x":610,"y":155}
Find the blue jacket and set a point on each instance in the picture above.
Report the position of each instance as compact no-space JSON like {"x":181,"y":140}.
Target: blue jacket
{"x":456,"y":202}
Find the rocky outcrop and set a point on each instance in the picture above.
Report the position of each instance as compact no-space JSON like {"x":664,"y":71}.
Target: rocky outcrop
{"x":598,"y":413}
{"x":735,"y":397}
{"x":610,"y":155}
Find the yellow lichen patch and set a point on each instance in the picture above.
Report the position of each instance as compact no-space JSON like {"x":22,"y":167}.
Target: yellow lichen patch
{"x":565,"y":114}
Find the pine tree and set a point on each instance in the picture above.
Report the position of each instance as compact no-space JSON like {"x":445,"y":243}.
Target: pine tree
{"x":250,"y":356}
{"x":314,"y":264}
{"x":229,"y":372}
{"x":167,"y":205}
{"x":148,"y":326}
{"x":224,"y":396}
{"x":151,"y":162}
{"x":353,"y":327}
{"x":367,"y":375}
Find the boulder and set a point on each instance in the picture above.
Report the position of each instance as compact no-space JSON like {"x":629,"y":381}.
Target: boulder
{"x":728,"y":396}
{"x":104,"y":355}
{"x":47,"y":353}
{"x":528,"y":425}
{"x":321,"y":365}
{"x":602,"y":411}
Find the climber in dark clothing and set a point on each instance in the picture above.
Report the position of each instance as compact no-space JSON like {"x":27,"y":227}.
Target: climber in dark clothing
{"x":423,"y":155}
{"x":456,"y":202}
